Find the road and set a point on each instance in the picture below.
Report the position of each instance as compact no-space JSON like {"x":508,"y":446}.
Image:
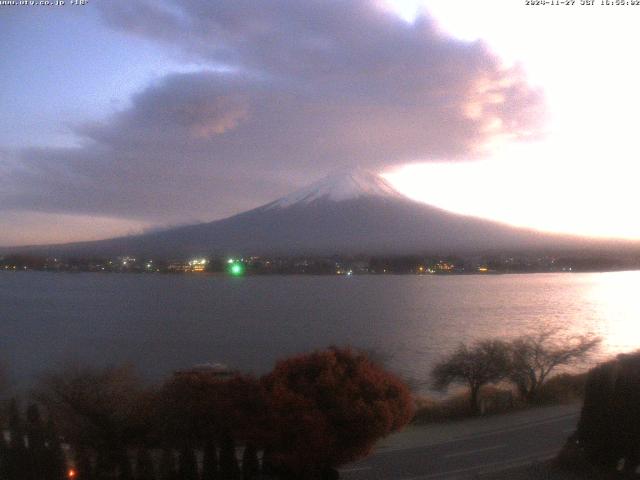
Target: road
{"x":487,"y":445}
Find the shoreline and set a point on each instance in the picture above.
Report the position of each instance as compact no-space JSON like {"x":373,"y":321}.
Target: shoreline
{"x":300,"y":274}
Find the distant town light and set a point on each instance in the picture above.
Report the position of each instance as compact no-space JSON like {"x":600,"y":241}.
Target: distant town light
{"x":71,"y":473}
{"x":230,"y":261}
{"x":198,"y":264}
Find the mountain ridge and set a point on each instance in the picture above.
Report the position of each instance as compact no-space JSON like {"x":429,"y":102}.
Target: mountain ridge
{"x":352,"y":212}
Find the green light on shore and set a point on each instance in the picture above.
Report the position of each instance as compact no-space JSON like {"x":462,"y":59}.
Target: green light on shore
{"x":236,"y":269}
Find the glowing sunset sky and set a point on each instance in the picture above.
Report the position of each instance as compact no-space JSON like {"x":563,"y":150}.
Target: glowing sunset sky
{"x":135,"y":115}
{"x":581,"y":176}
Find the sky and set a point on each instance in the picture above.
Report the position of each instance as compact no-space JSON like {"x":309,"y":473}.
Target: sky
{"x":120,"y":117}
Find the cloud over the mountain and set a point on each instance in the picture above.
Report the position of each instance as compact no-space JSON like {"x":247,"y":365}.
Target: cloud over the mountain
{"x":308,"y":86}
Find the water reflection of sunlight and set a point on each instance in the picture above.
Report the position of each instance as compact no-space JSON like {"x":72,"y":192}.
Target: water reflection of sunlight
{"x":616,"y":299}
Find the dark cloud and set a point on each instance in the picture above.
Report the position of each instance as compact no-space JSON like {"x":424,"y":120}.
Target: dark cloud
{"x":310,"y":86}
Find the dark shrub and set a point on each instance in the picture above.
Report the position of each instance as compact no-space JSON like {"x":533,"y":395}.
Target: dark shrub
{"x":563,"y":388}
{"x":609,"y":428}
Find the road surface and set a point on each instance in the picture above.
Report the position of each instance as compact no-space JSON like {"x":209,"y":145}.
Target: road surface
{"x":467,"y":449}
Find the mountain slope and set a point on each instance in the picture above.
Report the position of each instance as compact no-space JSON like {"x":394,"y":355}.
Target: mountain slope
{"x":351,"y":212}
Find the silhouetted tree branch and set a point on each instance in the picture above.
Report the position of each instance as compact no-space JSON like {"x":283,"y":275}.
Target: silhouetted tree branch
{"x":482,"y":363}
{"x":534,"y":357}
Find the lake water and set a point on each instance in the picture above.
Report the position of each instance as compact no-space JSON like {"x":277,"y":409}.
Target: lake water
{"x":165,"y":322}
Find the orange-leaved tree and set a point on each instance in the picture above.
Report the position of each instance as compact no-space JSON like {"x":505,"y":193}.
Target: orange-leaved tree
{"x":328,"y":408}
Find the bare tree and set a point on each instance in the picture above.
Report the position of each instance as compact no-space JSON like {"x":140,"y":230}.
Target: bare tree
{"x":535,"y":356}
{"x":485,"y":362}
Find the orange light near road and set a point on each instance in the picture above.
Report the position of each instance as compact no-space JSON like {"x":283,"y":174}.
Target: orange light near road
{"x":71,"y":473}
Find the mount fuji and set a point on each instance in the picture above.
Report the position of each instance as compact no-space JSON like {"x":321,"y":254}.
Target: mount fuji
{"x":351,"y":212}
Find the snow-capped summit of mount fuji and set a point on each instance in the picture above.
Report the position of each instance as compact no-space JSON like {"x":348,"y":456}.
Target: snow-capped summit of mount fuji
{"x":340,"y":186}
